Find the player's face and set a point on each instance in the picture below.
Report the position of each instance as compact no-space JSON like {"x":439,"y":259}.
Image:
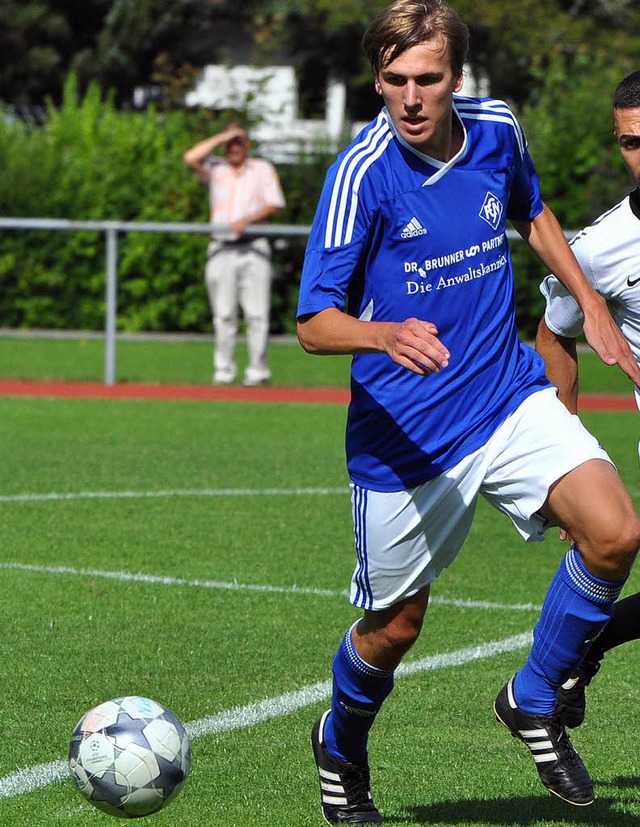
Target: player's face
{"x":627,"y":123}
{"x":418,"y":88}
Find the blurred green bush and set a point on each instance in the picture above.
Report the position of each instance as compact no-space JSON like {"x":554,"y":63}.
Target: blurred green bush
{"x":90,"y":160}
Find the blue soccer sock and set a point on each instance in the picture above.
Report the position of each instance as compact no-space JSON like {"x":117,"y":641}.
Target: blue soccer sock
{"x":358,"y":693}
{"x":575,"y":611}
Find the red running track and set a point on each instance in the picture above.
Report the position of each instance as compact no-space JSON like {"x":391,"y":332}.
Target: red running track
{"x":233,"y":393}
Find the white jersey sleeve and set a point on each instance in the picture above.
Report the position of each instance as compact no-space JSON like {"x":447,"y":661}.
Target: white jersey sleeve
{"x":609,"y":253}
{"x":562,"y":314}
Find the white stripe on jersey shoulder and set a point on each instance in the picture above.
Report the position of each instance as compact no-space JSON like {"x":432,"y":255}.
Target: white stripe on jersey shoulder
{"x":344,"y":196}
{"x":586,"y":230}
{"x":490,"y":109}
{"x":609,"y":211}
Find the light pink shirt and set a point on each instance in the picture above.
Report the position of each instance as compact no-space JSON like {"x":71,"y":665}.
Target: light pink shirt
{"x":238,"y":193}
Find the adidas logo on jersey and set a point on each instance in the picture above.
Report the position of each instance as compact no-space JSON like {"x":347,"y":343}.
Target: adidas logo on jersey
{"x":413,"y":229}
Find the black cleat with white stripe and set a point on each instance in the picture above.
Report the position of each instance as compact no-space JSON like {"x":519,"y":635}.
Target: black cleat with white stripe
{"x":571,"y":702}
{"x":344,"y":787}
{"x":560,"y":767}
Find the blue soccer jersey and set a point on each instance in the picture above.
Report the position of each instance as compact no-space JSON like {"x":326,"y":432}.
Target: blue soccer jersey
{"x":399,"y":235}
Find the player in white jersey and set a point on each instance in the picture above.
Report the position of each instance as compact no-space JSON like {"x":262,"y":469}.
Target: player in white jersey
{"x":609,"y":253}
{"x":408,"y":269}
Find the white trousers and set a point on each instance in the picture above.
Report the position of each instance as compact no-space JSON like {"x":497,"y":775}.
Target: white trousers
{"x":239,"y":276}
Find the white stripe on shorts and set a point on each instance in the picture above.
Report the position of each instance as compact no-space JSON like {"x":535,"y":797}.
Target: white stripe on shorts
{"x":364,"y":596}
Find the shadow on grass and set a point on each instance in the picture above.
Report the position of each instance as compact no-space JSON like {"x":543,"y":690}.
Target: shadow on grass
{"x":607,"y":810}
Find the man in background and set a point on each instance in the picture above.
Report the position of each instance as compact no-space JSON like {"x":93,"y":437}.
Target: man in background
{"x":609,"y":253}
{"x":238,"y":273}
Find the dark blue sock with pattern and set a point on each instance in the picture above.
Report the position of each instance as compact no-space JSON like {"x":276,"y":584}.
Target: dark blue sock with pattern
{"x":358,"y":693}
{"x":575,"y":611}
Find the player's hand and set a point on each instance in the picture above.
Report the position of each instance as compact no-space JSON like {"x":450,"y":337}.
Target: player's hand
{"x":415,"y":345}
{"x":604,"y":336}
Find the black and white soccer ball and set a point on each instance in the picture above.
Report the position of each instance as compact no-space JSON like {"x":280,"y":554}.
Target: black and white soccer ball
{"x":129,"y":756}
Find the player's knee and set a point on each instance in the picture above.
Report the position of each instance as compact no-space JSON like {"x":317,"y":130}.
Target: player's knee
{"x":402,"y":633}
{"x":614,"y":551}
{"x":629,"y":541}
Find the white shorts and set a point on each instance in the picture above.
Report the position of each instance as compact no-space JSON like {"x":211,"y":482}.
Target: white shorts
{"x":405,"y":539}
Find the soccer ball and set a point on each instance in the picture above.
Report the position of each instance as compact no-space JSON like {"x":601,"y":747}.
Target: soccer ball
{"x":129,"y":756}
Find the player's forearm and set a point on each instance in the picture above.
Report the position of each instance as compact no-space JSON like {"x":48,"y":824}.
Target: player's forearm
{"x":332,"y":332}
{"x":545,"y":237}
{"x":561,"y":361}
{"x":414,"y":344}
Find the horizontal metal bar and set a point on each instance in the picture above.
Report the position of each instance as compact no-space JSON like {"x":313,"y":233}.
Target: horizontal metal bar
{"x":147,"y":226}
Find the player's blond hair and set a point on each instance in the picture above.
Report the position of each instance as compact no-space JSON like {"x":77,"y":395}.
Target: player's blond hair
{"x":406,"y":23}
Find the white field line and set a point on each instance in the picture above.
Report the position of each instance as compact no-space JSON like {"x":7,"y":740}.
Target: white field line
{"x":153,"y":579}
{"x":186,"y":492}
{"x":53,"y":496}
{"x":33,"y":778}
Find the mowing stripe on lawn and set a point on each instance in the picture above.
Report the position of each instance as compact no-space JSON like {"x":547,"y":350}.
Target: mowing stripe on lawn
{"x":53,"y":496}
{"x":162,"y":580}
{"x":186,"y":492}
{"x":33,"y":778}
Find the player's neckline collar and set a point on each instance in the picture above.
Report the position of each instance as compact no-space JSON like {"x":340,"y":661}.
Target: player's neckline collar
{"x":634,"y":202}
{"x":441,"y":166}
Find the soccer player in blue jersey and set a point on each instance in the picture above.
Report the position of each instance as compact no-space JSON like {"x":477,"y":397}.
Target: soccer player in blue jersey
{"x":609,"y":254}
{"x":408,"y":268}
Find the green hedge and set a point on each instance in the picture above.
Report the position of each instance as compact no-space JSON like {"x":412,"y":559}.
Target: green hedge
{"x":92,"y":161}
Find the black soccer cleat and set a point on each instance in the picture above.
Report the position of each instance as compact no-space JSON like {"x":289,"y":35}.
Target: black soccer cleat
{"x":560,"y":767}
{"x":344,"y":787}
{"x":570,"y":697}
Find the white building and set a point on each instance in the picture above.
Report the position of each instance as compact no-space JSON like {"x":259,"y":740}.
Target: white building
{"x":269,"y":95}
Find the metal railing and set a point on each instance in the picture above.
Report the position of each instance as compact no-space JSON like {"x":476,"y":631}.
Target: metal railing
{"x":112,"y":229}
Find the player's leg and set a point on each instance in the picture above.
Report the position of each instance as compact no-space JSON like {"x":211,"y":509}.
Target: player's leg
{"x":625,"y":622}
{"x":363,"y":671}
{"x":221,"y":281}
{"x":592,"y":504}
{"x":255,"y":301}
{"x":396,"y":564}
{"x":550,"y":471}
{"x":362,"y":680}
{"x":623,"y":627}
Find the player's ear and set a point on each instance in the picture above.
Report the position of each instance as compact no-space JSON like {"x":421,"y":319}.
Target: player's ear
{"x":376,"y":85}
{"x":459,"y":83}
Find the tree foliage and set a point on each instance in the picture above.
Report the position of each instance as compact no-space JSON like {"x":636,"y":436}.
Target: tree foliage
{"x":556,"y":61}
{"x":112,"y":42}
{"x":118,"y":43}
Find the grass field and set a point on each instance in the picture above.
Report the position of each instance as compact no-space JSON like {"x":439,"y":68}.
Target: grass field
{"x":189,"y":361}
{"x":181,"y":362}
{"x":198,"y":553}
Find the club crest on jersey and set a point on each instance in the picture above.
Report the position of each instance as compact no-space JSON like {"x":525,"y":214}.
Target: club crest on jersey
{"x":491,"y":210}
{"x":413,"y":229}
